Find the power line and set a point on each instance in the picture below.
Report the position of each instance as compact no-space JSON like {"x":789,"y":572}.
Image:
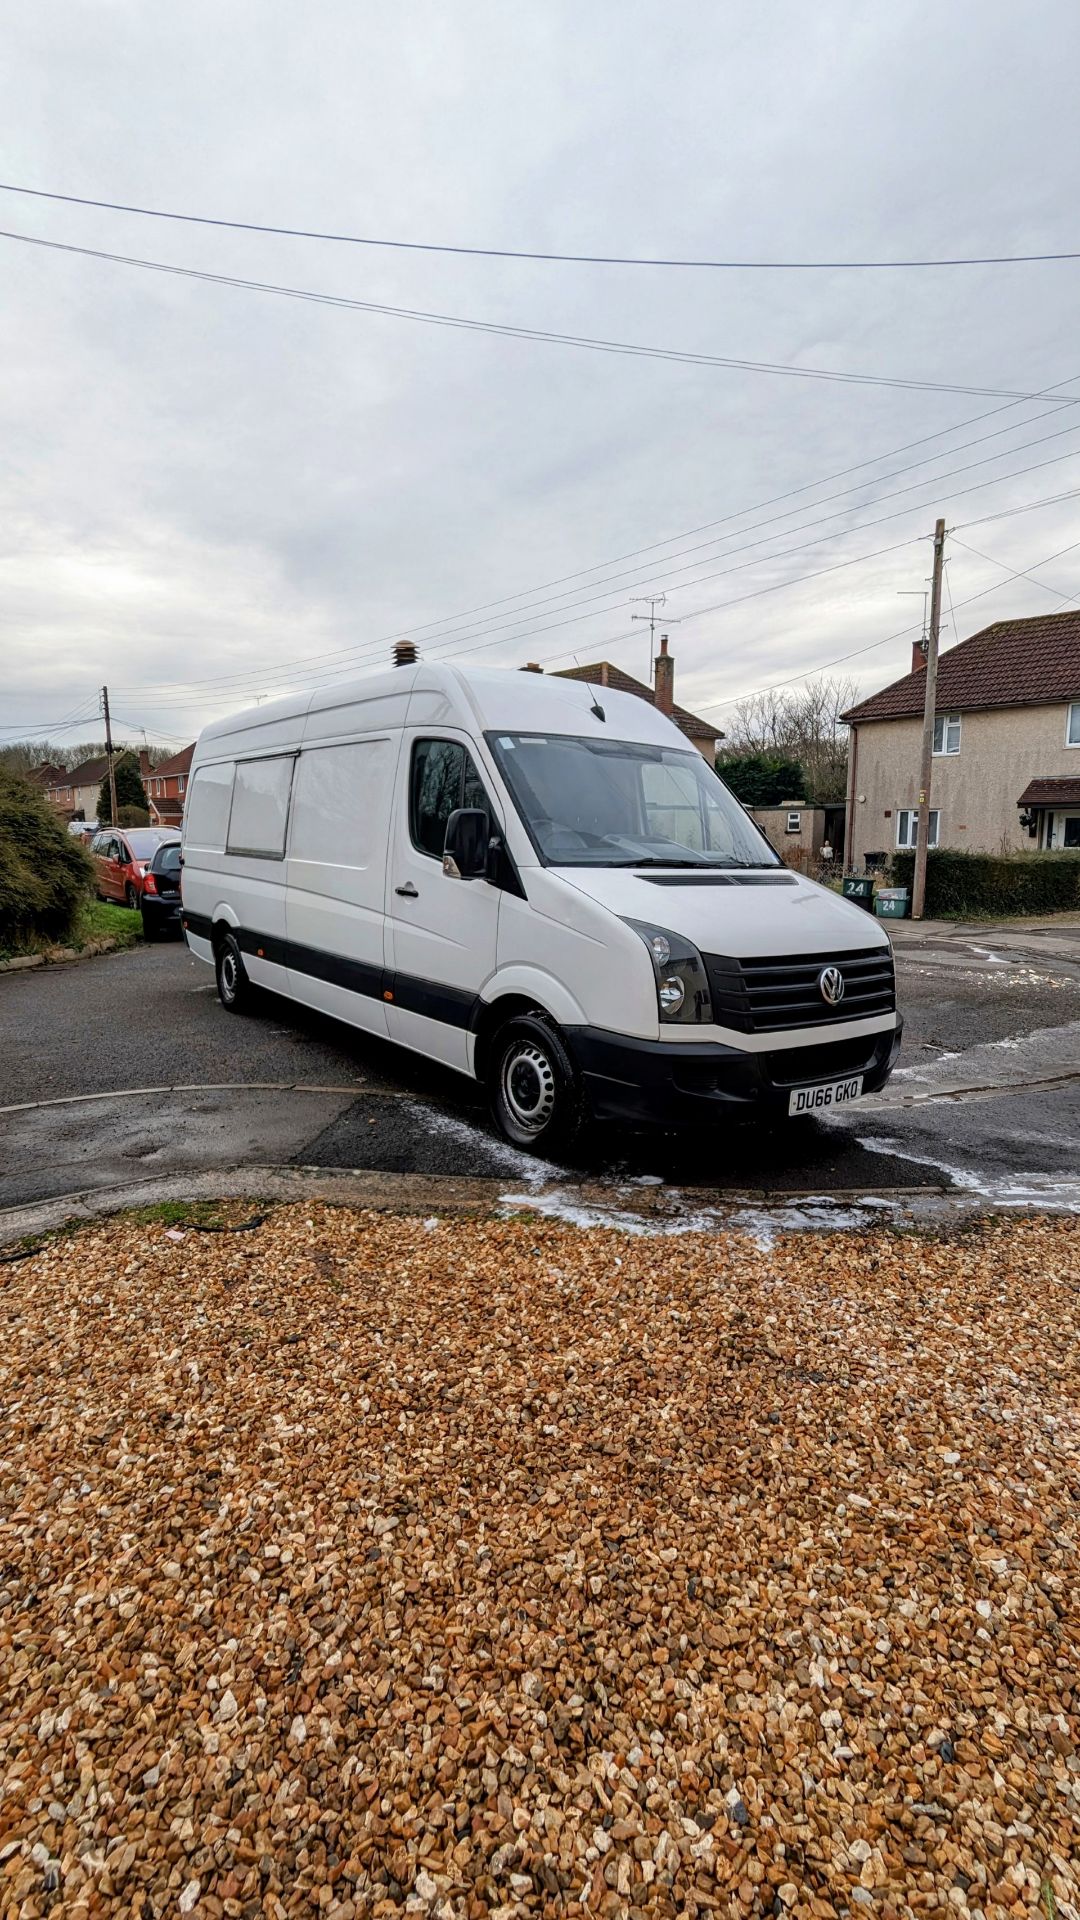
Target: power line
{"x":57,"y":726}
{"x":1025,"y":573}
{"x":1010,"y":513}
{"x":523,"y":253}
{"x":823,"y":667}
{"x":901,"y":633}
{"x":542,"y":335}
{"x":484,"y":635}
{"x":774,"y":500}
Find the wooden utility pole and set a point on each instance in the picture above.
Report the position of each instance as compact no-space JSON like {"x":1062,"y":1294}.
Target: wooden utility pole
{"x":109,"y":751}
{"x":922,"y":835}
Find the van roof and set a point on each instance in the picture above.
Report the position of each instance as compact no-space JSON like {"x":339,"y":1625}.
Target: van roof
{"x":481,"y":698}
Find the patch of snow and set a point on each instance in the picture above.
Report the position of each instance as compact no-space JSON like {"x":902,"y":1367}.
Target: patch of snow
{"x":762,"y":1224}
{"x":527,"y":1166}
{"x":1032,"y":1190}
{"x":575,"y":1212}
{"x":815,"y":1214}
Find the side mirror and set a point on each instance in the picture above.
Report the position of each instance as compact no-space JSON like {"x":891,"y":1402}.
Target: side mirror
{"x":465,"y":847}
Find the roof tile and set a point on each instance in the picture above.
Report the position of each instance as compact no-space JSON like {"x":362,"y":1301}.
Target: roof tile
{"x":1014,"y":663}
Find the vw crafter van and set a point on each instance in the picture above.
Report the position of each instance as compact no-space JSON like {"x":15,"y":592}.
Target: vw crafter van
{"x":539,"y":883}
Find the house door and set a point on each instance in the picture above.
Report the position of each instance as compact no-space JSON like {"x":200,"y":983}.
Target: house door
{"x":1063,"y":830}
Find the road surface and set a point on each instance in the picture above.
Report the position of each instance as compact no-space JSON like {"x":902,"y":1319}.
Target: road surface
{"x":126,"y":1067}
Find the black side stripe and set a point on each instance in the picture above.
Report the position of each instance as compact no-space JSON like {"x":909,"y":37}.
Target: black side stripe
{"x":453,"y":1006}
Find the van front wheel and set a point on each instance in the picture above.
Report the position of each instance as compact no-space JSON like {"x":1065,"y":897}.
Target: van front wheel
{"x":535,"y":1097}
{"x":233,"y":985}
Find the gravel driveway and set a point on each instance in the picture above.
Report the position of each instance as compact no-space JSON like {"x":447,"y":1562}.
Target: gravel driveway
{"x":358,"y":1564}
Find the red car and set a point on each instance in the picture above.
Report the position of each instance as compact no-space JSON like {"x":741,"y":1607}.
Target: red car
{"x":121,"y":856}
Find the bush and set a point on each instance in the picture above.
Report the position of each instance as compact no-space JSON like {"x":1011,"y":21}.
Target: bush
{"x":133,"y":816}
{"x":45,"y":874}
{"x":983,"y":885}
{"x":762,"y":779}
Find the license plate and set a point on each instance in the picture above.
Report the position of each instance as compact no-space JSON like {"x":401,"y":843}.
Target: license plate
{"x":835,"y":1093}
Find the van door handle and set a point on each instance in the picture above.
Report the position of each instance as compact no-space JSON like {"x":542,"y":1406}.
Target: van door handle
{"x":408,"y":891}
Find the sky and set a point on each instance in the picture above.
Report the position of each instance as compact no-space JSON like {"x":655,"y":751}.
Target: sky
{"x":210,"y":495}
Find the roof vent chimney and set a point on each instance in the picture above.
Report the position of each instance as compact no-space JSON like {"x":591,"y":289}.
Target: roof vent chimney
{"x":404,"y":653}
{"x":664,"y":678}
{"x":532,"y":666}
{"x":919,"y":651}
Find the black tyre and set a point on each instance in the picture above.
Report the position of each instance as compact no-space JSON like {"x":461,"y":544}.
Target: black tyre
{"x":131,"y":898}
{"x":535,"y":1097}
{"x":234,"y":987}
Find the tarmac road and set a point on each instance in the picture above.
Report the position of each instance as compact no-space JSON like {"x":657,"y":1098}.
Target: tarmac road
{"x":126,"y":1066}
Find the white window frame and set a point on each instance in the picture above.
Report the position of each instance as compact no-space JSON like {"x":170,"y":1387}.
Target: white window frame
{"x":911,"y":814}
{"x":1072,"y":724}
{"x":945,"y":724}
{"x":794,"y":823}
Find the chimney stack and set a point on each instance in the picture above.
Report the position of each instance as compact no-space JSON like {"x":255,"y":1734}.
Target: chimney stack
{"x":404,"y":653}
{"x":664,"y":678}
{"x":918,"y":656}
{"x":532,"y":666}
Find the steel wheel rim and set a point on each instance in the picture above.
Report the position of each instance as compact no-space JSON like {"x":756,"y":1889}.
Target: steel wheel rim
{"x":228,"y":976}
{"x":528,"y":1086}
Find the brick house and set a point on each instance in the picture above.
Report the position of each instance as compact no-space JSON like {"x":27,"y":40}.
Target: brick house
{"x":167,"y":786}
{"x":1006,"y":769}
{"x":77,"y":792}
{"x":45,"y":776}
{"x":662,"y":695}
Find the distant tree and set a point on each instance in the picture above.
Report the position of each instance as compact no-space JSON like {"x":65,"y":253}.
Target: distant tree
{"x":130,"y":791}
{"x":762,"y":779}
{"x":802,"y":724}
{"x":44,"y":873}
{"x":21,"y":755}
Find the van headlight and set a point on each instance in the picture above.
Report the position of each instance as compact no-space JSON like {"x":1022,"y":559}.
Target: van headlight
{"x":682,"y":984}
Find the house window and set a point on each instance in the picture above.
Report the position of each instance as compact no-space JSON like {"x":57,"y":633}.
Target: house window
{"x":180,"y":784}
{"x":907,"y":826}
{"x":1072,"y":728}
{"x":794,"y":823}
{"x":947,"y":733}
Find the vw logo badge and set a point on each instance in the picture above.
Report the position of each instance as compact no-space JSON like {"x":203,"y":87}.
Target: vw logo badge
{"x":831,"y":982}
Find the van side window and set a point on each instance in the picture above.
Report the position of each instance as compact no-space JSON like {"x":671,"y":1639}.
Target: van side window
{"x":206,"y":816}
{"x":260,"y":806}
{"x":443,"y":778}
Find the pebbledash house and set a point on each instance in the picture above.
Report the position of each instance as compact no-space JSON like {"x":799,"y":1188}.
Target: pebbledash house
{"x":1006,"y":768}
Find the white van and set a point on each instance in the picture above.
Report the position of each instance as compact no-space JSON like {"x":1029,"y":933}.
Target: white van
{"x":539,"y":883}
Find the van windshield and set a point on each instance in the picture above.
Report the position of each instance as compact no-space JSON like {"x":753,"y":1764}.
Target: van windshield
{"x":618,"y":803}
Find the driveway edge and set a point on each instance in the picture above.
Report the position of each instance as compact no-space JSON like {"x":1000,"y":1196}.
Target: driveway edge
{"x":59,"y":956}
{"x":656,"y":1209}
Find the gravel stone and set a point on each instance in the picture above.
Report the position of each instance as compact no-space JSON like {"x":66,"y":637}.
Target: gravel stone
{"x":362,"y":1565}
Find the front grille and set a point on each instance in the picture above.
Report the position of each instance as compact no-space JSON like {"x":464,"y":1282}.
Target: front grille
{"x":800,"y":1066}
{"x":767,"y":996}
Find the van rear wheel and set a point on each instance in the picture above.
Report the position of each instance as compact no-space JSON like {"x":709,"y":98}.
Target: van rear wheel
{"x":535,"y":1097}
{"x":234,"y":987}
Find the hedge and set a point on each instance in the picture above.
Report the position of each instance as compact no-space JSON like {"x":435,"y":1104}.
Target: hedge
{"x":972,"y":885}
{"x":44,"y":873}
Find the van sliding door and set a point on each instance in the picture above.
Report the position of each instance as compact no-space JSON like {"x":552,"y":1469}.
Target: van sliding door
{"x":336,"y":872}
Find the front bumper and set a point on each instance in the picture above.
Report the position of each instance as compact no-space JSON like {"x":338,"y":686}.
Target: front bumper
{"x":660,"y":1082}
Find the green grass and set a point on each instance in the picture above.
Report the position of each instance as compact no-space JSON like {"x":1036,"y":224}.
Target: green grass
{"x":96,"y":920}
{"x":224,"y":1212}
